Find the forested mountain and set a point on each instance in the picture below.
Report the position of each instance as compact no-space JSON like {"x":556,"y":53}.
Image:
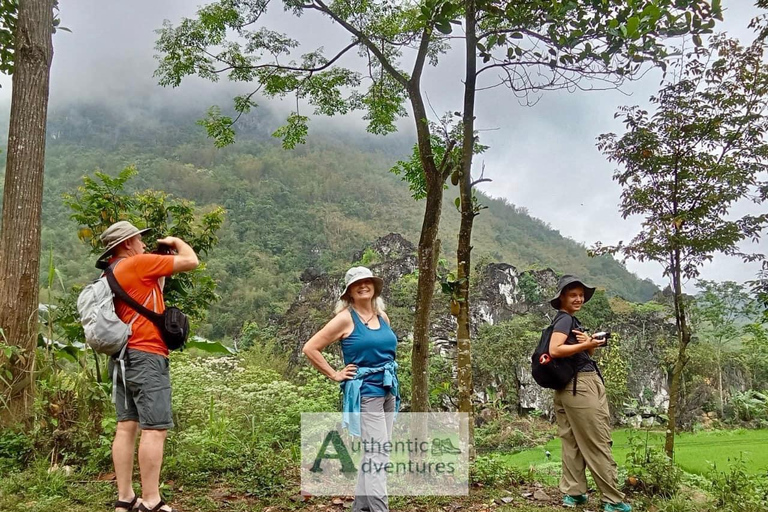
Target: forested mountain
{"x":286,"y":211}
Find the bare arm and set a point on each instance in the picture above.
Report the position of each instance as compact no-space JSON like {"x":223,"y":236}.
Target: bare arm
{"x":339,"y":327}
{"x":558,"y":348}
{"x":185,"y":258}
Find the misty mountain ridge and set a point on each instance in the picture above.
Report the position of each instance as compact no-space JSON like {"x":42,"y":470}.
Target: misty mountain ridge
{"x":287,"y":211}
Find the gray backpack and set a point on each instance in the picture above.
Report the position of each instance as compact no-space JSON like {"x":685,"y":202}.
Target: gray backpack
{"x":105,"y":333}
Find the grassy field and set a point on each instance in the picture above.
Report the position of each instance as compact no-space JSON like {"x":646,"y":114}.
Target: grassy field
{"x":695,"y":451}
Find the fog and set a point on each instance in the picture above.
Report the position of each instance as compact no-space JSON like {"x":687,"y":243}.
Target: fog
{"x":541,"y":157}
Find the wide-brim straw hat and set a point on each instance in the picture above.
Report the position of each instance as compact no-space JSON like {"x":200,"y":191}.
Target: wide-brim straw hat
{"x":116,"y":234}
{"x":566,"y":280}
{"x":356,"y":274}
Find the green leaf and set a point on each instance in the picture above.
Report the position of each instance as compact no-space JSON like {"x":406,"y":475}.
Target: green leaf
{"x":697,"y":40}
{"x":61,"y":280}
{"x":457,"y":202}
{"x":632,"y":25}
{"x":294,"y":132}
{"x":445,"y":28}
{"x":209,"y":347}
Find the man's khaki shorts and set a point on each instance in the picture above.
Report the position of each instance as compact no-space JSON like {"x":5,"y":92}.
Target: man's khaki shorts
{"x":148,"y":383}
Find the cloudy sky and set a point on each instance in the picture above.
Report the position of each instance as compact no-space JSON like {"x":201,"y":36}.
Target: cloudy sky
{"x":541,"y":157}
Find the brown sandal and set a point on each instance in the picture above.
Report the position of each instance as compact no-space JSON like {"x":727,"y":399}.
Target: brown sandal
{"x":128,"y":505}
{"x":156,"y":508}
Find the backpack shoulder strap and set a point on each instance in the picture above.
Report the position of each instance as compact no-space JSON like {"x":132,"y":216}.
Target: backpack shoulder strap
{"x":129,"y":301}
{"x":559,"y":313}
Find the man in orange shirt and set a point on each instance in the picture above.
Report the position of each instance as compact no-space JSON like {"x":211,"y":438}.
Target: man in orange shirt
{"x":144,"y":401}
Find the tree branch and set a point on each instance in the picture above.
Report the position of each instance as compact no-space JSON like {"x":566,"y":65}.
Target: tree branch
{"x":478,"y":181}
{"x":397,"y":75}
{"x":421,"y":56}
{"x":443,"y":167}
{"x":282,"y":67}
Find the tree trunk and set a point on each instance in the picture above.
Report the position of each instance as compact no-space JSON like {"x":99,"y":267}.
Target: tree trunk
{"x":463,"y":253}
{"x":427,"y":256}
{"x":684,"y":337}
{"x":22,"y":199}
{"x":720,"y":381}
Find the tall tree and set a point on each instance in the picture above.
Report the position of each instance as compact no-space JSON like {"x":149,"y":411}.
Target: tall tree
{"x":528,"y":46}
{"x":722,"y":310}
{"x":566,"y":46}
{"x":22,"y":197}
{"x":683,"y":168}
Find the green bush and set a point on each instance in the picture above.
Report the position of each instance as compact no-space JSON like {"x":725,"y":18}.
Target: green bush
{"x":491,"y":470}
{"x":499,"y":435}
{"x":655,"y":473}
{"x":69,"y":410}
{"x":736,"y":490}
{"x":221,"y":452}
{"x":749,"y":406}
{"x":15,"y":450}
{"x":501,"y":351}
{"x":240,"y":420}
{"x":509,"y":434}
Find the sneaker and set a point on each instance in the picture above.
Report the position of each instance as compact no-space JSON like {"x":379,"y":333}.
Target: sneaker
{"x":572,"y":501}
{"x":617,"y":507}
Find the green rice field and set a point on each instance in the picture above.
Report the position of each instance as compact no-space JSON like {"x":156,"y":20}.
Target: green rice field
{"x":695,"y":451}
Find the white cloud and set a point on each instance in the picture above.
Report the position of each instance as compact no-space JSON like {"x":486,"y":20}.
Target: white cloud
{"x":543,"y":158}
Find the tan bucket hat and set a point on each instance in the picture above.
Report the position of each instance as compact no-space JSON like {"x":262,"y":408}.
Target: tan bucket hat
{"x":117,"y":233}
{"x":358,"y":274}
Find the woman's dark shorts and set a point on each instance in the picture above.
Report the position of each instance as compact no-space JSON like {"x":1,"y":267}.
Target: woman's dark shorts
{"x":148,"y":380}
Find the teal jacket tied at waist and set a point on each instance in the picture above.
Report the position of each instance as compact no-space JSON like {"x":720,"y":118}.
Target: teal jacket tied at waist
{"x":352,"y":399}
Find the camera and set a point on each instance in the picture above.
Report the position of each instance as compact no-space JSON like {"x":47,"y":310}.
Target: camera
{"x":164,"y":249}
{"x":602,"y":335}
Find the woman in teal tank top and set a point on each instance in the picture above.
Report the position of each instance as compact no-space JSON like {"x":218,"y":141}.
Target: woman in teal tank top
{"x":368,"y":379}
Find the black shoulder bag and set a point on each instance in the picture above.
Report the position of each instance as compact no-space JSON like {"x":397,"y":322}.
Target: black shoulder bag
{"x":172,"y":323}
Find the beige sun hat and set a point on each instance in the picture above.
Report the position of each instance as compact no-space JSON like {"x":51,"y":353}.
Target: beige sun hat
{"x":117,"y":233}
{"x":358,"y":274}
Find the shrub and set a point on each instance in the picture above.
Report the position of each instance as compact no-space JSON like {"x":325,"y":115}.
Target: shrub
{"x":650,"y":470}
{"x":240,"y":420}
{"x":69,"y":409}
{"x":222,"y":452}
{"x":750,"y":405}
{"x":509,"y":434}
{"x":15,"y":450}
{"x":492,"y":471}
{"x":735,"y":490}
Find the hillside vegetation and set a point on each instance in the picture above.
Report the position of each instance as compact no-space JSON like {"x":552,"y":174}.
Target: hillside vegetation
{"x":286,"y":211}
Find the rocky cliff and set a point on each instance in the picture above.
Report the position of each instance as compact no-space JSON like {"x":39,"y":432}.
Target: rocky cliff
{"x":499,"y":293}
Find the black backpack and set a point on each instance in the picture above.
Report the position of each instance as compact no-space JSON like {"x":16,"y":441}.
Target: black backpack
{"x":172,"y":323}
{"x":550,"y":372}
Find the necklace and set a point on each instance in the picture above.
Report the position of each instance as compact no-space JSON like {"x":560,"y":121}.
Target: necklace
{"x":365,"y":322}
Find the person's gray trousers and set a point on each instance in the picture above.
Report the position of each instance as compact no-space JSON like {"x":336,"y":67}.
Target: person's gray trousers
{"x":376,"y":424}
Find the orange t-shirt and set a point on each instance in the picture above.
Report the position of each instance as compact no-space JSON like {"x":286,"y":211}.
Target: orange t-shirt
{"x":138,"y":275}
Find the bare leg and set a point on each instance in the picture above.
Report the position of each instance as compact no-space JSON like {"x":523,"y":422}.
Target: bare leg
{"x":123,"y":450}
{"x":150,"y":461}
